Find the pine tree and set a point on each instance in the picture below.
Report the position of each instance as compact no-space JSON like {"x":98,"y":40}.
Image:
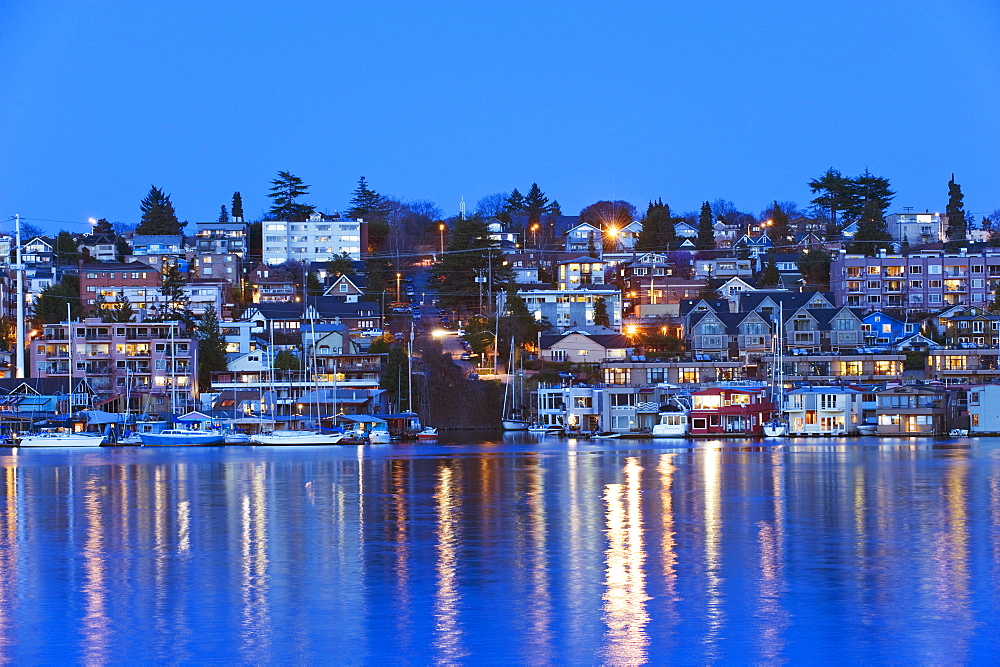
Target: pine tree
{"x":955,"y":210}
{"x":285,"y":192}
{"x":835,"y":193}
{"x":471,"y":253}
{"x":657,"y":231}
{"x":50,"y":306}
{"x":99,"y":309}
{"x":224,"y":214}
{"x":366,"y":203}
{"x":66,"y":249}
{"x":122,"y":310}
{"x":868,"y":195}
{"x":175,"y":306}
{"x":104,"y":227}
{"x":211,"y":348}
{"x":873,"y":232}
{"x":515,"y":202}
{"x":706,"y":231}
{"x":601,"y":317}
{"x":158,"y":215}
{"x":535,"y":204}
{"x":779,"y":232}
{"x":237,"y":207}
{"x":770,"y":276}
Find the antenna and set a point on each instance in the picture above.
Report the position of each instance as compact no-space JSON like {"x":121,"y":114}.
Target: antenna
{"x":461,"y":207}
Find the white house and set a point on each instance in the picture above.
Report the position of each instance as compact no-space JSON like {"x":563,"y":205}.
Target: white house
{"x":983,"y":414}
{"x":823,"y":410}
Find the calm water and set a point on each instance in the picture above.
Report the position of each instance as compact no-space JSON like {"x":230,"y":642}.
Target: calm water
{"x":516,"y":552}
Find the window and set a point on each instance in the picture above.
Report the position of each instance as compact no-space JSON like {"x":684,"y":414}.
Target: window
{"x":828,"y":401}
{"x":916,"y":268}
{"x":934,"y":269}
{"x":623,"y":400}
{"x":854,"y":272}
{"x":618,"y":376}
{"x":656,"y":375}
{"x":583,"y":401}
{"x":872,"y":270}
{"x":916,"y":284}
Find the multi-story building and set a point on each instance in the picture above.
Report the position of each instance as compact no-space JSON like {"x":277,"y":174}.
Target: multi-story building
{"x":99,"y":246}
{"x":217,"y":266}
{"x":136,"y":279}
{"x":572,"y":273}
{"x":574,"y":308}
{"x":221,"y":238}
{"x":318,"y":239}
{"x":722,"y":268}
{"x":824,"y":410}
{"x":915,"y":228}
{"x":148,"y":366}
{"x":919,"y":282}
{"x":915,"y":410}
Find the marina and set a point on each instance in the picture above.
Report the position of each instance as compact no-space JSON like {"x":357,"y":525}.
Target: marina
{"x":508,"y":548}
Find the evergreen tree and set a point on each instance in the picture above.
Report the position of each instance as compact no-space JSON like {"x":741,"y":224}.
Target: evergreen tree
{"x":175,"y":300}
{"x":372,"y":207}
{"x":122,"y":310}
{"x":814,"y":265}
{"x":868,"y":197}
{"x":286,"y":360}
{"x":779,"y":231}
{"x":122,"y":249}
{"x":104,"y":227}
{"x":536,"y":204}
{"x":285,"y":192}
{"x":471,"y":253}
{"x":657,"y":231}
{"x":955,"y":210}
{"x":224,"y":214}
{"x":706,"y":231}
{"x":50,"y":306}
{"x":518,"y":322}
{"x":515,"y":202}
{"x":769,"y":277}
{"x":834,"y":192}
{"x":313,"y":285}
{"x":211,"y":348}
{"x":601,"y":317}
{"x":66,"y":249}
{"x":340,"y":265}
{"x":99,"y":308}
{"x":395,"y":379}
{"x":873,"y":232}
{"x":158,"y":215}
{"x":237,"y":207}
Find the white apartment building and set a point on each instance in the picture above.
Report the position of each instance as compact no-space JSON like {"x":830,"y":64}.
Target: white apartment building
{"x":318,"y":239}
{"x":916,"y":228}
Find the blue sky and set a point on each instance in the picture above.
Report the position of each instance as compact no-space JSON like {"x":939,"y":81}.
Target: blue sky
{"x":684,"y":101}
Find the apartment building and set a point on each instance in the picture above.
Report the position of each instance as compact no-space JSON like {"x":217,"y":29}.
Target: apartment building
{"x":915,"y":228}
{"x":573,"y":308}
{"x":919,"y":282}
{"x":318,"y":239}
{"x":221,"y":238}
{"x":151,"y":365}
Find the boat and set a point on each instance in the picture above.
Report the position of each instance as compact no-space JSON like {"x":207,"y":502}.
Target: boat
{"x":53,"y":439}
{"x":775,"y":428}
{"x":673,"y":420}
{"x":959,"y":432}
{"x":182,"y":437}
{"x":867,"y":429}
{"x":237,"y":438}
{"x":511,"y":414}
{"x":606,"y":435}
{"x":429,"y":433}
{"x":379,"y":435}
{"x":549,"y":429}
{"x":297,"y":438}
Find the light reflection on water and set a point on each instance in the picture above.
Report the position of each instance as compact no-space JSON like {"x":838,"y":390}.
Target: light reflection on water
{"x":524,"y":551}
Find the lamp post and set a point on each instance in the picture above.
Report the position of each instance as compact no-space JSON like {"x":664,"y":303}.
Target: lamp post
{"x":441,"y":234}
{"x":534,"y":234}
{"x":399,"y":276}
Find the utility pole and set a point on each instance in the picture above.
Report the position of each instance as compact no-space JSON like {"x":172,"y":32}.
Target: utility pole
{"x":19,"y":359}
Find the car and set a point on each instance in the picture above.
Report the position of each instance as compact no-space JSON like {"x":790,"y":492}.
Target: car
{"x":466,"y":356}
{"x":371,"y":333}
{"x":400,"y":309}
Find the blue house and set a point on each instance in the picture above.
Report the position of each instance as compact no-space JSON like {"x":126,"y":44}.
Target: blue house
{"x":882,"y":329}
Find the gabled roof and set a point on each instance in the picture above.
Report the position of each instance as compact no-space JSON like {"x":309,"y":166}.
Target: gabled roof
{"x":607,"y":341}
{"x":718,"y":305}
{"x":790,"y":300}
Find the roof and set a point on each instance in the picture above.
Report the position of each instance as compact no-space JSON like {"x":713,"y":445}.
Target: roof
{"x":607,"y":341}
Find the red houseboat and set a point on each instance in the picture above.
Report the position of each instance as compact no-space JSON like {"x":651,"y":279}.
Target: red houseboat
{"x":729,"y":411}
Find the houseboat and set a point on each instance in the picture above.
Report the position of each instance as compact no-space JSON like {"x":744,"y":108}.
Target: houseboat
{"x":729,"y":411}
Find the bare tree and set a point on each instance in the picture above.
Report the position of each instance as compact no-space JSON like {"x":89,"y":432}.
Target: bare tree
{"x":492,"y":206}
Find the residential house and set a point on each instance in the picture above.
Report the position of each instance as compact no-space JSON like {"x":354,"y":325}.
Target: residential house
{"x":349,"y":289}
{"x":583,"y":270}
{"x":269,"y":284}
{"x":573,"y":309}
{"x":729,"y":411}
{"x":584,"y":347}
{"x":139,"y":282}
{"x":101,"y":247}
{"x":723,"y":267}
{"x":915,"y":410}
{"x":824,"y":410}
{"x":222,"y":238}
{"x":584,"y":238}
{"x":915,"y":228}
{"x":984,"y":417}
{"x":971,"y":326}
{"x":882,"y":329}
{"x":964,"y":366}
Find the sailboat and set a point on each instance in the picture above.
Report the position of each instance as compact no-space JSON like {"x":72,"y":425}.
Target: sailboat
{"x":512,"y":420}
{"x":777,"y":427}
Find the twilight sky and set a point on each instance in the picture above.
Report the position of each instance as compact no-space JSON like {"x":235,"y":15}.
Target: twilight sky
{"x":688,"y":101}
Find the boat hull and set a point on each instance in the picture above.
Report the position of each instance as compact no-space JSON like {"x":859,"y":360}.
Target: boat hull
{"x":515,"y":425}
{"x":190,"y":439}
{"x":61,"y":441}
{"x":297,"y":438}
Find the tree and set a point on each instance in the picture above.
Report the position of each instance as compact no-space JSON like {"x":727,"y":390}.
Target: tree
{"x":868,"y":195}
{"x":211,"y":348}
{"x":471,"y":254}
{"x":991,"y":224}
{"x":286,"y":360}
{"x":814,"y":265}
{"x":102,"y":226}
{"x":518,"y":323}
{"x":515,"y":202}
{"x":313,"y":285}
{"x":122,"y":249}
{"x":237,"y":207}
{"x":99,"y":308}
{"x":492,"y":206}
{"x":224,"y":214}
{"x":769,"y":277}
{"x":158,"y":215}
{"x":372,"y":207}
{"x":834,"y":193}
{"x":873,"y":232}
{"x":706,"y":229}
{"x":778,"y":231}
{"x":50,"y":306}
{"x":340,"y":265}
{"x":66,"y":249}
{"x":176,"y":301}
{"x":955,"y":210}
{"x":285,"y":192}
{"x":536,"y":204}
{"x":607,"y":215}
{"x":601,"y":317}
{"x":657,"y":231}
{"x":122,"y":311}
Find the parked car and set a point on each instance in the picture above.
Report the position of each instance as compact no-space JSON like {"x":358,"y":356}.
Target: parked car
{"x":371,"y":333}
{"x":466,"y":356}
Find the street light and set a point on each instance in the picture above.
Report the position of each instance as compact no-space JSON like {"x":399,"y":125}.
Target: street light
{"x":441,"y":233}
{"x":534,"y":234}
{"x":613,"y":233}
{"x":398,"y":297}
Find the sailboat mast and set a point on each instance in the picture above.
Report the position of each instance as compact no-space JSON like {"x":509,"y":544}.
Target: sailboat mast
{"x":69,"y":368}
{"x":19,"y":359}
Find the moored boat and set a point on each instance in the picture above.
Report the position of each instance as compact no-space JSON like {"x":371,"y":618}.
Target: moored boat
{"x":182,"y":437}
{"x":550,"y":429}
{"x":61,"y":440}
{"x":775,"y":428}
{"x":297,"y":438}
{"x":429,"y":433}
{"x":671,"y":425}
{"x":515,"y":424}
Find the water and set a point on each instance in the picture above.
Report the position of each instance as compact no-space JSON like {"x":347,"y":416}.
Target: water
{"x":517,"y":552}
